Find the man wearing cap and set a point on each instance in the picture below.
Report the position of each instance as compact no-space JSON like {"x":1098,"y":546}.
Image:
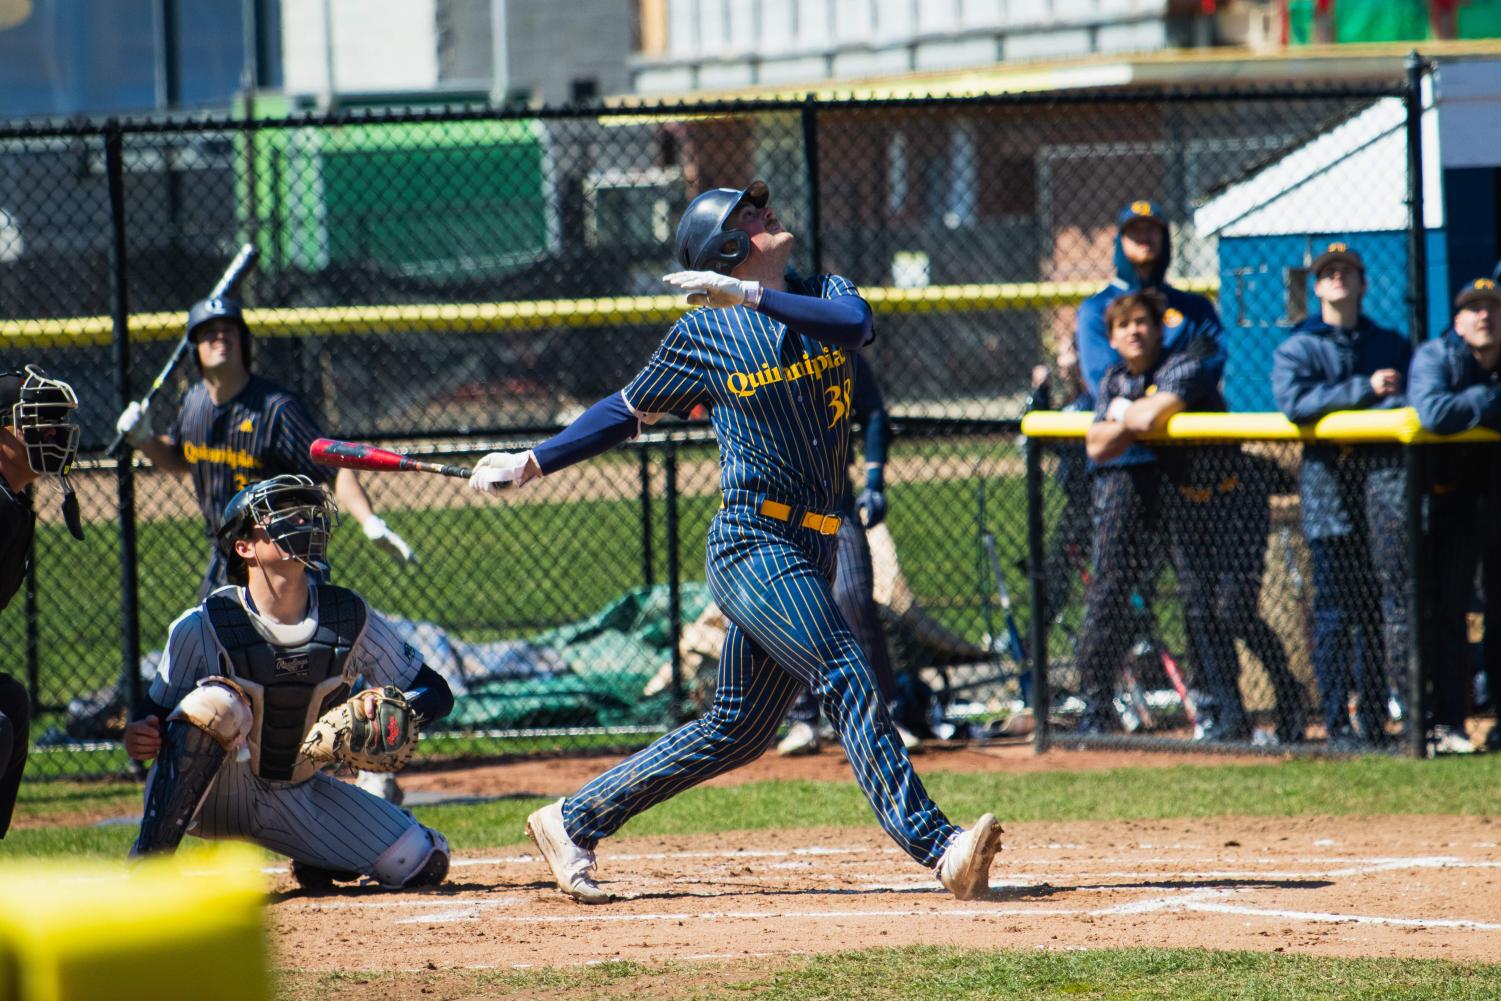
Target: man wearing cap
{"x":1353,"y":499}
{"x":37,"y":438}
{"x":235,"y":428}
{"x":1456,"y":386}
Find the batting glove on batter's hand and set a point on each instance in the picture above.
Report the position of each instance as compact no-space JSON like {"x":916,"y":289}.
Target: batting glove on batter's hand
{"x":378,"y":532}
{"x":134,"y":424}
{"x":709,"y":288}
{"x":499,"y":470}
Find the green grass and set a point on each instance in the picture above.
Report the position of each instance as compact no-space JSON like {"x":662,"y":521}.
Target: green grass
{"x":1360,"y":787}
{"x":921,"y":973}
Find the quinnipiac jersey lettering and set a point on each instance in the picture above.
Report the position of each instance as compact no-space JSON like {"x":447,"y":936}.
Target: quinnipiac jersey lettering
{"x":264,"y":431}
{"x":779,"y":402}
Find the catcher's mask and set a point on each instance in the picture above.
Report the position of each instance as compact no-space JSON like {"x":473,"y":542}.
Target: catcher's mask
{"x":224,"y":307}
{"x":296,"y":513}
{"x":42,"y":417}
{"x":703,"y":243}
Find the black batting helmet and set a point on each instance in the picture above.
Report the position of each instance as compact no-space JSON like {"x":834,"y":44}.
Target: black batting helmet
{"x":297,"y":513}
{"x":703,"y":244}
{"x":216,"y":308}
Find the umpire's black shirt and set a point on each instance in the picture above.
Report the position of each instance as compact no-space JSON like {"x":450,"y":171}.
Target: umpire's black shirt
{"x":17,"y":522}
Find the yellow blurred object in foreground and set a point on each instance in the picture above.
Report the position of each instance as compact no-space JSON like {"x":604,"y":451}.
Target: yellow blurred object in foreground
{"x":183,"y":927}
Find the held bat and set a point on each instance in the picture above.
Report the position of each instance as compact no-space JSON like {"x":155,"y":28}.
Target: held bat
{"x":355,"y":455}
{"x":228,"y":282}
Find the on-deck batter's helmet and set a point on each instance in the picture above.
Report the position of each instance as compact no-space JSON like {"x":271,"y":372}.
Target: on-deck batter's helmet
{"x":218,"y":307}
{"x":297,"y":513}
{"x":40,"y":412}
{"x":703,"y":244}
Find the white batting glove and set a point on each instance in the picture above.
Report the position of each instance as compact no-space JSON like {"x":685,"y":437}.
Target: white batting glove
{"x":499,"y":470}
{"x":378,"y":532}
{"x":709,"y":288}
{"x":1117,"y":409}
{"x":134,"y":424}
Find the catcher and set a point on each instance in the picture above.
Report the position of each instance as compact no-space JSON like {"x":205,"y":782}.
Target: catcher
{"x":254,"y":691}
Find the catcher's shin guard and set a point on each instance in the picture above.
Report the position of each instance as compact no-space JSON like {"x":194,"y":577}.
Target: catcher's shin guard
{"x":189,"y":760}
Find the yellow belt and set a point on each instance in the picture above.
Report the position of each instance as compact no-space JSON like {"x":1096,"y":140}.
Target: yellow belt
{"x":823,"y":524}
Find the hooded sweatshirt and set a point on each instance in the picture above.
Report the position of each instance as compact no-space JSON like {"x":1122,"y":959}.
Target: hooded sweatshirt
{"x":1190,"y":318}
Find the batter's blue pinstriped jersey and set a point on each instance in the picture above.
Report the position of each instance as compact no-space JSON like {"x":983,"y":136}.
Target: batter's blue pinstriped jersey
{"x":264,"y":431}
{"x":779,"y":401}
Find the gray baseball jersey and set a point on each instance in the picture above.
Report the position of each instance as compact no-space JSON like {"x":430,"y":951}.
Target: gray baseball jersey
{"x":319,"y":820}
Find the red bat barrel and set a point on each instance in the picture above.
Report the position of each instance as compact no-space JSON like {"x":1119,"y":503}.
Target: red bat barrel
{"x":356,"y":455}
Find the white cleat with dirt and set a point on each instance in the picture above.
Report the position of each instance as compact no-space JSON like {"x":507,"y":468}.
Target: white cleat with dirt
{"x":964,"y":869}
{"x":572,"y":867}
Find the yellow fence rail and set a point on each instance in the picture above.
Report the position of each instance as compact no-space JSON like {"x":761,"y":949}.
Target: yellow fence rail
{"x":84,"y":331}
{"x":1343,"y":427}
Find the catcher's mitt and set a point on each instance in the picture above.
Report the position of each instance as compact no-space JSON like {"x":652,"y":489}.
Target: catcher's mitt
{"x":344,"y":735}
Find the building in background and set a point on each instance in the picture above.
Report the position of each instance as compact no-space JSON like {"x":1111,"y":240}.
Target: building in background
{"x":76,"y":58}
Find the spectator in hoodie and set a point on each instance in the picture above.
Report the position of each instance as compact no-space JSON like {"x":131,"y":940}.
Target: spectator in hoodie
{"x":1353,"y":499}
{"x":1456,"y":386}
{"x":1143,"y":251}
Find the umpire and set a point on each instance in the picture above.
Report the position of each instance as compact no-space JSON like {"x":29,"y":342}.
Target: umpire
{"x":37,"y":438}
{"x":1456,"y":386}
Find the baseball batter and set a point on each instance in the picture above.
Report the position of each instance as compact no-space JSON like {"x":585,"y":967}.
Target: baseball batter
{"x":772,"y":358}
{"x":236,"y":427}
{"x":252,"y":687}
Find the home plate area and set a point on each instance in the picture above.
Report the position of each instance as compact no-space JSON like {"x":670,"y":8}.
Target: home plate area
{"x":1403,"y":886}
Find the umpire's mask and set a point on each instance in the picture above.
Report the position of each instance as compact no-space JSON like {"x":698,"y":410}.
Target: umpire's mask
{"x":42,"y":417}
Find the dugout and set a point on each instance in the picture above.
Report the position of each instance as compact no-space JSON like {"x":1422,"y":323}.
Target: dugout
{"x":1340,"y":185}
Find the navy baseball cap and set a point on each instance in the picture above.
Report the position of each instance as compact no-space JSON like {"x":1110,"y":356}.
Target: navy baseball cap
{"x":1141,"y":209}
{"x":1337,"y":251}
{"x":1478,"y":290}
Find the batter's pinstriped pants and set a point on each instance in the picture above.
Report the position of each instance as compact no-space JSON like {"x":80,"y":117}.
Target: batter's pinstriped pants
{"x":772,"y":582}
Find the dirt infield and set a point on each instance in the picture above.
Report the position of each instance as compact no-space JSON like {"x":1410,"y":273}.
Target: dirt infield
{"x":1403,"y":886}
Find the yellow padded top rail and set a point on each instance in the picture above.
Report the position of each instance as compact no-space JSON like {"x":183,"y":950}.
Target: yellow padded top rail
{"x":1343,"y":426}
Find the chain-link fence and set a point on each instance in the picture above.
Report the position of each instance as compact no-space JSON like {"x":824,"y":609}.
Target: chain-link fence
{"x":451,"y":282}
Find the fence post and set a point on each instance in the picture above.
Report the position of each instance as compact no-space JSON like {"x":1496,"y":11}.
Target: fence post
{"x":1037,"y":570}
{"x":1420,"y":660}
{"x":130,"y":625}
{"x":674,"y":581}
{"x":648,"y":555}
{"x":815,"y":195}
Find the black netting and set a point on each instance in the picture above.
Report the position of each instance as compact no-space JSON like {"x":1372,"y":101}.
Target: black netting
{"x":458,"y":282}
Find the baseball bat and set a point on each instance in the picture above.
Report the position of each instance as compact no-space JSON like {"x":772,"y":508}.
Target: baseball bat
{"x":230,"y":280}
{"x":355,"y":455}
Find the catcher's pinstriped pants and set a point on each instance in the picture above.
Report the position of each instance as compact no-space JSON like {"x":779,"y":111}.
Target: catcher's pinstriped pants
{"x":772,"y":583}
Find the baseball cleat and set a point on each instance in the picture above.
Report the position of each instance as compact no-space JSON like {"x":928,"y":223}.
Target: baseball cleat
{"x":801,"y":739}
{"x":315,"y":877}
{"x":571,"y":866}
{"x":964,"y":869}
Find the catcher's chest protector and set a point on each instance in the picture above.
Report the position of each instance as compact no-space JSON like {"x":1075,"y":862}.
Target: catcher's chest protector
{"x":289,"y":687}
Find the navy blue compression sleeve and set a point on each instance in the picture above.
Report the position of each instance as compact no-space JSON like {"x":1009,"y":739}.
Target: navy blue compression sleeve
{"x":843,"y":321}
{"x":430,"y":697}
{"x":598,"y":429}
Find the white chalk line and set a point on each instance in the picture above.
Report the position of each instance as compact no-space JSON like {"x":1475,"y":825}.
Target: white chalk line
{"x":456,"y":910}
